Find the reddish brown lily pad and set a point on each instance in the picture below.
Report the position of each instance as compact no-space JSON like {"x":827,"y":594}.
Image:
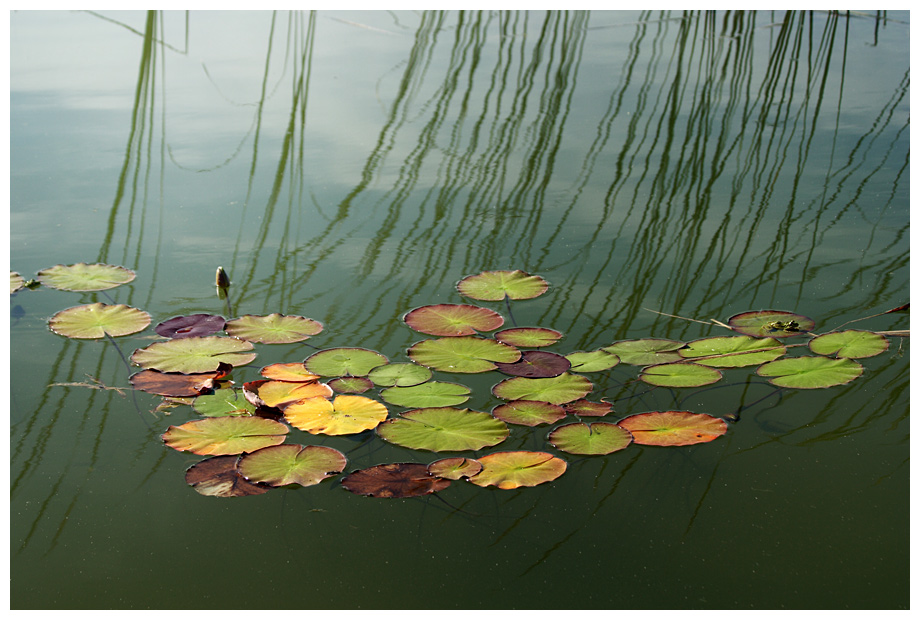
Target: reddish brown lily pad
{"x":536,"y":364}
{"x":219,"y":476}
{"x":191,"y":325}
{"x":453,"y":319}
{"x":394,"y":480}
{"x":673,"y":428}
{"x":174,"y":383}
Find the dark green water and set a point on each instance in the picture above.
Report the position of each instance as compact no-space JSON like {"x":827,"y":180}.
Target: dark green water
{"x":349,"y":167}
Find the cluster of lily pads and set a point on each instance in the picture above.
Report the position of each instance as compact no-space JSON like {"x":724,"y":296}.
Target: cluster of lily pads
{"x":242,"y":429}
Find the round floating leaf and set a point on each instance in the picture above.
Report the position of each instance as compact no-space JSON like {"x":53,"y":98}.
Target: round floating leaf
{"x":588,"y":408}
{"x":431,"y":394}
{"x":733,"y":351}
{"x":351,"y":385}
{"x":771,"y":324}
{"x":673,"y":428}
{"x":173,"y":383}
{"x":453,"y":320}
{"x":679,"y":375}
{"x":346,"y":415}
{"x":82,"y":277}
{"x":510,"y":470}
{"x":495,"y":285}
{"x":645,"y":351}
{"x":597,"y":438}
{"x":194,"y":354}
{"x":536,"y":364}
{"x":557,"y":390}
{"x":293,"y":371}
{"x":529,"y":412}
{"x":810,"y":372}
{"x":851,"y":343}
{"x":273,"y":328}
{"x":283,"y":393}
{"x":441,"y":429}
{"x":97,"y":320}
{"x":17,"y":282}
{"x":223,"y":402}
{"x":218,"y":476}
{"x":230,"y":435}
{"x":342,"y":361}
{"x":454,"y":468}
{"x":532,"y":337}
{"x":465,"y":354}
{"x":399,"y":374}
{"x":592,"y":361}
{"x":191,"y":325}
{"x":394,"y":480}
{"x":292,"y":464}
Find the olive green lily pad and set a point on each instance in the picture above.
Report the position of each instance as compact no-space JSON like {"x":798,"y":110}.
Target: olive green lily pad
{"x":82,"y":277}
{"x":97,"y":320}
{"x":218,"y":476}
{"x":557,"y":390}
{"x":454,"y":468}
{"x":771,"y":324}
{"x":400,"y":374}
{"x":511,"y":470}
{"x":443,"y":429}
{"x":292,"y":464}
{"x":351,"y":385}
{"x":453,"y":320}
{"x":673,"y":428}
{"x":17,"y":282}
{"x":273,"y":328}
{"x":529,"y":412}
{"x":810,"y":372}
{"x":394,"y":480}
{"x":850,"y":343}
{"x":733,"y":351}
{"x":194,"y":354}
{"x":338,"y":362}
{"x":348,"y":414}
{"x":592,"y":361}
{"x":645,"y":351}
{"x":680,"y":375}
{"x":463,"y":354}
{"x":495,"y":285}
{"x":227,"y":435}
{"x":430,"y":394}
{"x":223,"y":402}
{"x":531,"y":337}
{"x":596,"y":438}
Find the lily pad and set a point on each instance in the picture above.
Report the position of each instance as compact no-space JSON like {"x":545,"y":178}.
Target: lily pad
{"x":191,"y":325}
{"x":454,"y":468}
{"x":174,"y":383}
{"x":536,"y":364}
{"x":680,"y":375}
{"x":588,"y":408}
{"x":348,"y":414}
{"x":673,"y":428}
{"x":283,"y":393}
{"x":399,"y":374}
{"x":532,"y":337}
{"x":463,"y":354}
{"x":394,"y":480}
{"x":495,"y":285}
{"x":529,"y":412}
{"x":592,"y":361}
{"x":293,"y":371}
{"x":453,"y":320}
{"x":351,"y":385}
{"x":223,"y":402}
{"x":557,"y":390}
{"x":352,"y":361}
{"x":810,"y":372}
{"x":218,"y":476}
{"x":292,"y":464}
{"x":510,"y":470}
{"x":733,"y":351}
{"x":771,"y":324}
{"x":441,"y":429}
{"x":850,"y":343}
{"x":430,"y":394}
{"x":17,"y":282}
{"x":596,"y":438}
{"x":645,"y":351}
{"x":194,"y":354}
{"x":228,"y":435}
{"x":97,"y":320}
{"x":273,"y":328}
{"x":82,"y":277}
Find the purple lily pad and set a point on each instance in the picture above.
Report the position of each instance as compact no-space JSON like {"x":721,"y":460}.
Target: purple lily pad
{"x":191,"y":325}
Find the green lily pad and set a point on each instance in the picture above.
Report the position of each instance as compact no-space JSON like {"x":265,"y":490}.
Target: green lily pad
{"x":453,"y":320}
{"x":273,"y":328}
{"x":82,"y":277}
{"x":646,"y":351}
{"x":454,"y":468}
{"x":557,"y":390}
{"x":351,"y":385}
{"x":532,"y":337}
{"x":218,"y":476}
{"x":194,"y":354}
{"x":228,"y":435}
{"x":399,"y":374}
{"x":592,"y":361}
{"x":511,"y":470}
{"x":733,"y":351}
{"x":442,"y":429}
{"x":536,"y":364}
{"x":679,"y":375}
{"x":292,"y":464}
{"x":431,"y":394}
{"x":97,"y":320}
{"x":348,"y":414}
{"x":596,"y":438}
{"x":394,"y":480}
{"x":529,"y":412}
{"x":810,"y":372}
{"x":17,"y":282}
{"x":771,"y":324}
{"x":673,"y":428}
{"x":223,"y":402}
{"x":850,"y":343}
{"x":495,"y":285}
{"x":464,"y":354}
{"x":353,"y":361}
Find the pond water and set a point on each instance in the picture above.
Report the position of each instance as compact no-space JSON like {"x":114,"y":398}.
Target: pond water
{"x":351,"y":166}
